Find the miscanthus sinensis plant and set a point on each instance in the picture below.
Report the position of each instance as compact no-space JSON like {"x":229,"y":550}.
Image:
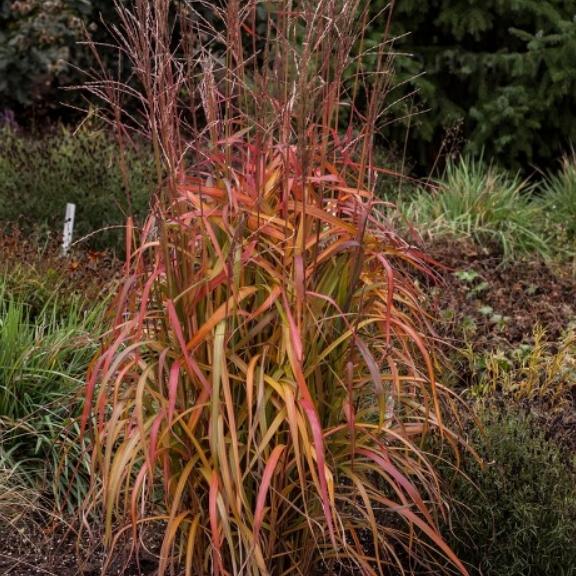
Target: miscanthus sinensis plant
{"x":267,"y":387}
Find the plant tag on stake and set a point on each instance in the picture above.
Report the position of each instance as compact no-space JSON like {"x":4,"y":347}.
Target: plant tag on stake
{"x":68,"y":228}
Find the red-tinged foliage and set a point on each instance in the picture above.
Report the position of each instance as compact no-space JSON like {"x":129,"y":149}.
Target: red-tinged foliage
{"x":267,"y":386}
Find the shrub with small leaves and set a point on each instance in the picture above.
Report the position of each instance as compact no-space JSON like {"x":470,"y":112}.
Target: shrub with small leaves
{"x":520,"y":517}
{"x":41,"y":52}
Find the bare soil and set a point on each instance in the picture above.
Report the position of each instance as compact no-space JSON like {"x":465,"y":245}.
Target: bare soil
{"x":521,"y":293}
{"x":53,"y":550}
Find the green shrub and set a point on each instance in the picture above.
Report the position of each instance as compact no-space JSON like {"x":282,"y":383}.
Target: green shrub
{"x":40,"y":51}
{"x":520,"y":519}
{"x":36,"y":41}
{"x":482,"y":202}
{"x":38,"y":178}
{"x":503,"y":72}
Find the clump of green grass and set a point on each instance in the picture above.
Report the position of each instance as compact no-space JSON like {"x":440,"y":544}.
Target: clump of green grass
{"x":479,"y":201}
{"x":518,"y":517}
{"x":43,"y":359}
{"x":558,"y":202}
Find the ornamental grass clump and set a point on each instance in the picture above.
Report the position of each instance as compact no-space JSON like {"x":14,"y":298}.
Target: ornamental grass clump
{"x":482,"y":202}
{"x":44,"y":354}
{"x":558,"y":202}
{"x":266,"y":388}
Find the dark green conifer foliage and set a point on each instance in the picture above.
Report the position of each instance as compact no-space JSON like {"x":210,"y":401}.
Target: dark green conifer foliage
{"x":502,"y":70}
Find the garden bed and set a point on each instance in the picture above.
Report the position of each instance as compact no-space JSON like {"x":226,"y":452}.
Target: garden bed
{"x":499,"y":302}
{"x":520,"y":294}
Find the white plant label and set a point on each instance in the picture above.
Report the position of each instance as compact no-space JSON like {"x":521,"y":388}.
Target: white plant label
{"x":68,"y":228}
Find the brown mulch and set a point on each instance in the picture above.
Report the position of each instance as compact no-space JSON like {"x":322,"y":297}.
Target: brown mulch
{"x":493,"y":305}
{"x":35,"y":268}
{"x":30,"y":549}
{"x":505,"y":300}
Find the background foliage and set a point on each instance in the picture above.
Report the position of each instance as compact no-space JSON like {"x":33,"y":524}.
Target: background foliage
{"x":39,"y":50}
{"x":502,"y":73}
{"x":38,"y":177}
{"x":498,"y":75}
